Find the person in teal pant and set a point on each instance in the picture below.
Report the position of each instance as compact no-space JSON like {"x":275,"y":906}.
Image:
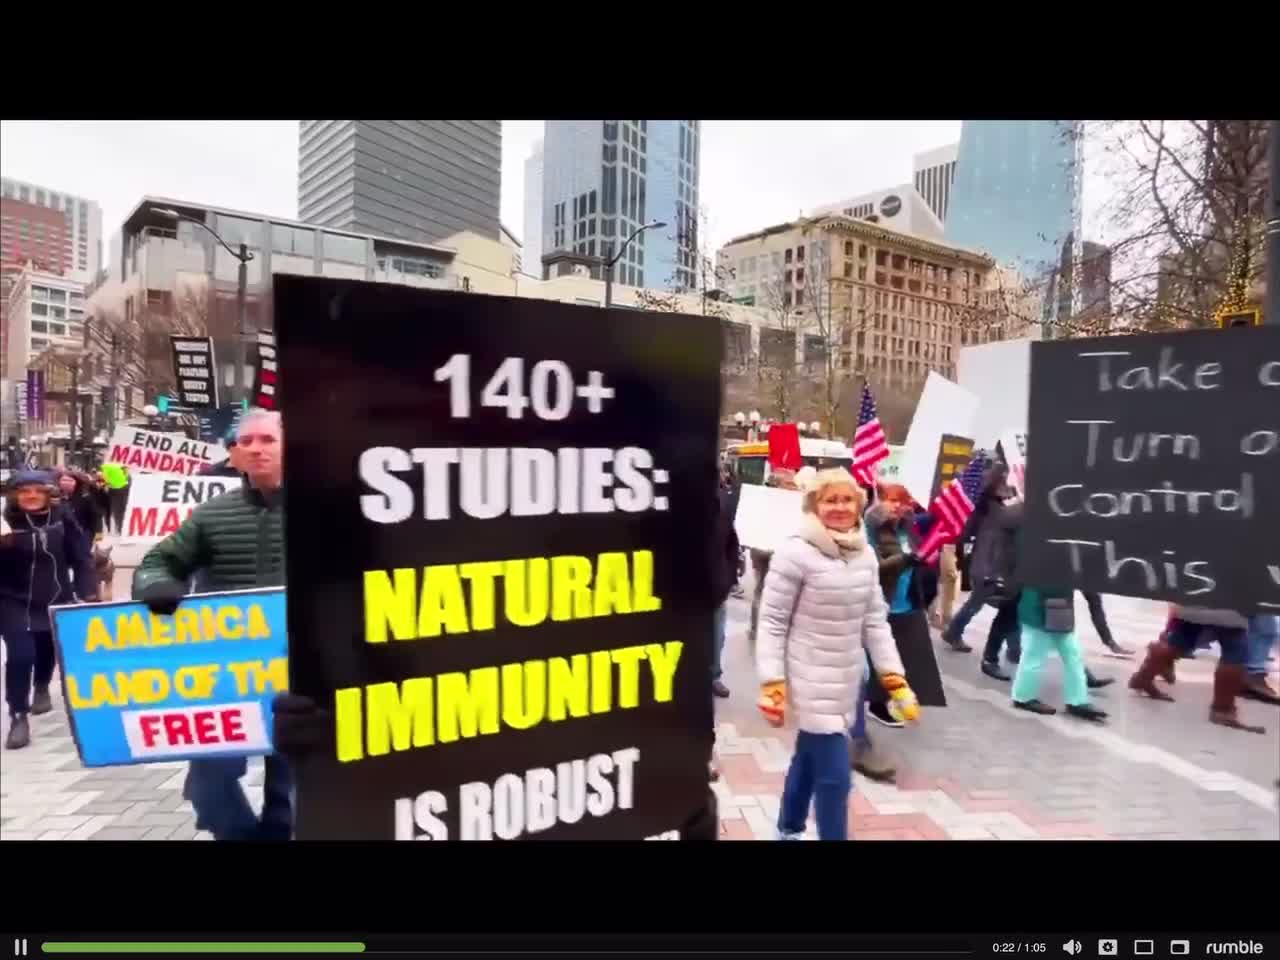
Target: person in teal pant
{"x":1047,"y":618}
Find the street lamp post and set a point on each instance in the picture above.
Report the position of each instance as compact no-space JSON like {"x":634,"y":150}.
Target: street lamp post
{"x":242,"y":280}
{"x":608,"y":267}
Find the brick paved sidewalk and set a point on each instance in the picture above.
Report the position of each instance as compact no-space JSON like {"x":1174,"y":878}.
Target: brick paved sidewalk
{"x":976,"y":769}
{"x":980,"y":770}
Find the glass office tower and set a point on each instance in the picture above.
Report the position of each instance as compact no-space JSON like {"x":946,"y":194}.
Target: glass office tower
{"x":1017,"y":191}
{"x":603,"y":179}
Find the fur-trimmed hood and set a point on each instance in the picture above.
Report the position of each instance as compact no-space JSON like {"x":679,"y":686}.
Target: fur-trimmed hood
{"x":829,"y":542}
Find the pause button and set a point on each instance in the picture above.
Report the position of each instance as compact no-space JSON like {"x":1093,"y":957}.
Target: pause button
{"x":19,"y":947}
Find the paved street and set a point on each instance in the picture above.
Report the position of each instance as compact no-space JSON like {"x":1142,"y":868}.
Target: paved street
{"x":976,"y":769}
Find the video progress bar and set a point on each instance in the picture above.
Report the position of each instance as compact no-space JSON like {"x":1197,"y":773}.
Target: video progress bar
{"x":200,"y":946}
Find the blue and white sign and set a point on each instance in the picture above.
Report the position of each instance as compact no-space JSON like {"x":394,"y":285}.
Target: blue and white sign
{"x":141,"y":687}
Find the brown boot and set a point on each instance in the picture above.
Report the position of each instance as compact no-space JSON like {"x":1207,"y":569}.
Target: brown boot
{"x":1228,"y":680}
{"x":1159,"y":663}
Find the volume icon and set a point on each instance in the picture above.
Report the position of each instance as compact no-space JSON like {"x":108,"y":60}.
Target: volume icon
{"x":1072,"y":947}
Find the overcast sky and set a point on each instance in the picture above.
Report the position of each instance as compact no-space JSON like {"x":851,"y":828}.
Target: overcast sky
{"x":754,"y":173}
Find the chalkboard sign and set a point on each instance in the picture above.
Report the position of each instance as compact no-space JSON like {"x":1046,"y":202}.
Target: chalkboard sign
{"x":498,"y":564}
{"x":1154,"y":467}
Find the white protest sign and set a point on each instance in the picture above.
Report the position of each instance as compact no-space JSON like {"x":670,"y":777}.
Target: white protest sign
{"x":944,"y":407}
{"x":1013,"y":444}
{"x":158,"y":503}
{"x":999,"y":375}
{"x":766,"y":516}
{"x":889,"y":470}
{"x":148,"y":450}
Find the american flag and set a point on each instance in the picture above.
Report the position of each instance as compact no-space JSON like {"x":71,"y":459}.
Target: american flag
{"x":952,"y":507}
{"x":869,"y":446}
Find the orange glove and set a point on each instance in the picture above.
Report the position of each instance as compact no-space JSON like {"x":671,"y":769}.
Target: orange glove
{"x":773,"y":700}
{"x":902,"y":702}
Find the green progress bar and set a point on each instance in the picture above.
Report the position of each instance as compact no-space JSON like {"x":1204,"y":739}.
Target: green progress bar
{"x":242,"y":946}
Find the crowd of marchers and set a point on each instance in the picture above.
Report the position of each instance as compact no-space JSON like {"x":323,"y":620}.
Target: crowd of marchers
{"x":840,"y":619}
{"x":840,"y":629}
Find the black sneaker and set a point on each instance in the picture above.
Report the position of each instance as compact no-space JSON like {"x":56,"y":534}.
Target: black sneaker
{"x":880,"y":713}
{"x":1086,"y":712}
{"x":956,"y":644}
{"x":719,"y":689}
{"x":992,"y":669}
{"x":1035,"y":706}
{"x":1097,"y":683}
{"x":19,"y":733}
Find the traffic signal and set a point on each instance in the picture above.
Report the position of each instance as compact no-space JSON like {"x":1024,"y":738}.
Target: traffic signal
{"x":1240,"y":318}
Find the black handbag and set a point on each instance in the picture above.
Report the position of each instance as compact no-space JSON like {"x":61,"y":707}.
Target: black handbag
{"x":1059,"y":614}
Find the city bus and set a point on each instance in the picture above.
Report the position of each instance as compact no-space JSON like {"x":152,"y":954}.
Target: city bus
{"x":750,"y":461}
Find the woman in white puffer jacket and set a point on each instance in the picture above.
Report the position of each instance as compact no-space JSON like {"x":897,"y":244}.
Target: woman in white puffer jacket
{"x":822,"y":603}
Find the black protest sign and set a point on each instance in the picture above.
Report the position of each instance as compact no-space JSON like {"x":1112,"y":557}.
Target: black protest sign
{"x":193,"y":370}
{"x":1156,"y":467}
{"x":954,"y":454}
{"x":497,"y":565}
{"x":266,"y":381}
{"x":217,"y":426}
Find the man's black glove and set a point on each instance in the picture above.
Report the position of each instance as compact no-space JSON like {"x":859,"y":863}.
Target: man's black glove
{"x":163,"y":597}
{"x":300,"y":726}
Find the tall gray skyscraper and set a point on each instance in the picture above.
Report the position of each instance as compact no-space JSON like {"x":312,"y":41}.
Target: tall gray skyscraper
{"x":418,"y":180}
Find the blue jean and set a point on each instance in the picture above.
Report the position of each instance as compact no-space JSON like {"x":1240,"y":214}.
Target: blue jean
{"x":819,"y":772}
{"x":214,"y":791}
{"x":1264,"y":629}
{"x":968,"y":610}
{"x":718,"y":627}
{"x":30,"y":657}
{"x":1183,"y":635}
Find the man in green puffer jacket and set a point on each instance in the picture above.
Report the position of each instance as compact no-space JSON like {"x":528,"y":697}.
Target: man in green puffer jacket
{"x":233,"y":542}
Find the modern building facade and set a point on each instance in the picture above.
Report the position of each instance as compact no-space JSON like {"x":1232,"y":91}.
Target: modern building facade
{"x":172,"y":276}
{"x":414,"y":180}
{"x":934,"y":173}
{"x":1077,"y":295}
{"x":899,"y":208}
{"x":509,"y":240}
{"x":919,"y":207}
{"x":77,"y":250}
{"x":533,"y":250}
{"x":1017,"y":191}
{"x":44,"y":310}
{"x":604,"y":179}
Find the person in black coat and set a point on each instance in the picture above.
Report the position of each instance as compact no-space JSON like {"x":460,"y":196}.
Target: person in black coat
{"x":229,"y":467}
{"x":75,"y":491}
{"x":725,"y":571}
{"x":101,"y":499}
{"x":994,"y":526}
{"x":44,"y":561}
